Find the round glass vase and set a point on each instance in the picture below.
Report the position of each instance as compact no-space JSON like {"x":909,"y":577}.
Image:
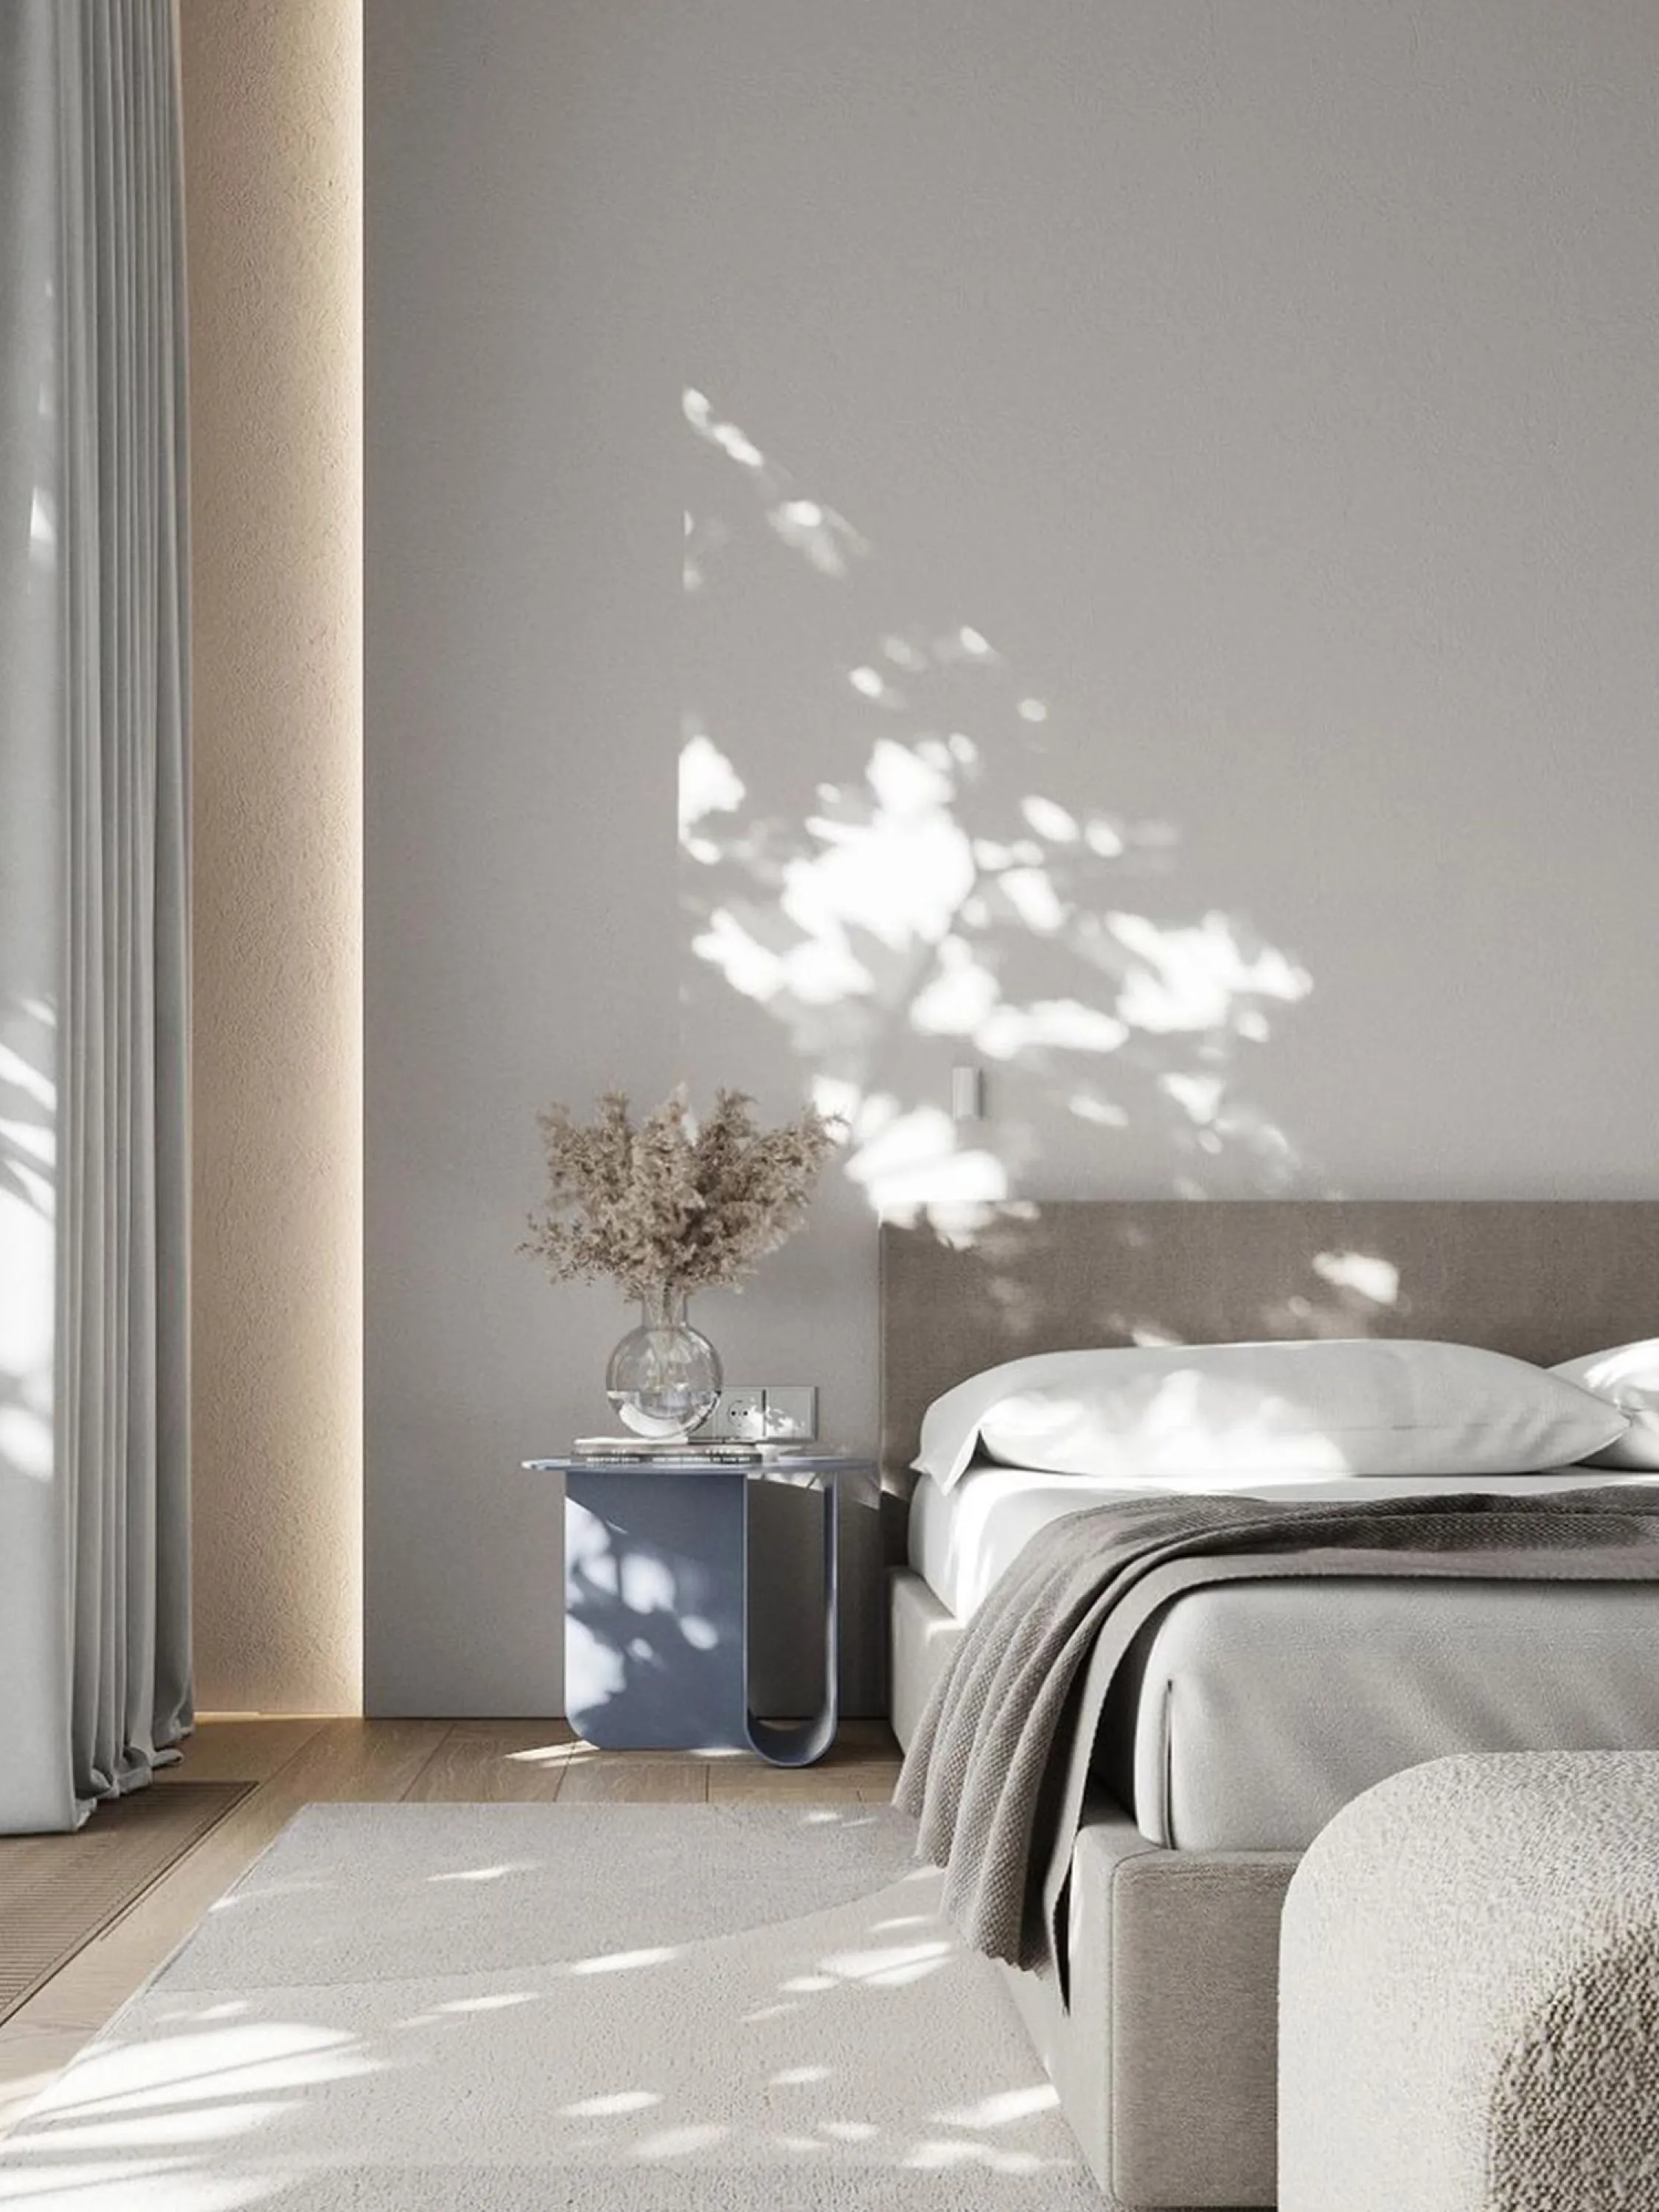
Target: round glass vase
{"x":665,"y":1376}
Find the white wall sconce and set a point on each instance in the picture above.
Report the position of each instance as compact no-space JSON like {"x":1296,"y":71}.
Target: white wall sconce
{"x":966,"y":1094}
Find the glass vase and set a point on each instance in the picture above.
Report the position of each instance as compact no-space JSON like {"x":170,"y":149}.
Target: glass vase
{"x":665,"y":1376}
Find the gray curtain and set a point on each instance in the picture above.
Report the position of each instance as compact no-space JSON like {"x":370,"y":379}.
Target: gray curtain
{"x":94,"y":1615}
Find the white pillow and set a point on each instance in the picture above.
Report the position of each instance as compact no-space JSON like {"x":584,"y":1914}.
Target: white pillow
{"x":1368,"y":1405}
{"x":1627,"y":1377}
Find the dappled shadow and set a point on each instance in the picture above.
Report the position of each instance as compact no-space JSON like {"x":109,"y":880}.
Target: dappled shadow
{"x":976,"y":1286}
{"x":1023,"y":1277}
{"x":902,"y":852}
{"x":27,"y":1105}
{"x":653,"y":1627}
{"x":28,"y":1172}
{"x":658,"y":1570}
{"x":33,"y":705}
{"x":852,"y":2039}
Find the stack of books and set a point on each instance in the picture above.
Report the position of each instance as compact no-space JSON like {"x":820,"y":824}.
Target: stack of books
{"x":683,"y":1451}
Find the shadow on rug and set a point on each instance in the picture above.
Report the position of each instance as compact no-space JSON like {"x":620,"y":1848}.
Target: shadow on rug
{"x":518,"y":2007}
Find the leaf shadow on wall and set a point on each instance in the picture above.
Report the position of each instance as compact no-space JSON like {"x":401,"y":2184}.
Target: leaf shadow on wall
{"x":900,"y":850}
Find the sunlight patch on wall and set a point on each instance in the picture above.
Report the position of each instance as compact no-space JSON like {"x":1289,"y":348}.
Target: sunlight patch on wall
{"x":903,"y":1161}
{"x":42,"y":529}
{"x":944,"y":886}
{"x":708,"y":785}
{"x":28,"y":1141}
{"x":1373,"y":1278}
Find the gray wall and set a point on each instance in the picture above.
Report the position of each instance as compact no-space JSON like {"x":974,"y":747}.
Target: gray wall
{"x":1271,"y":387}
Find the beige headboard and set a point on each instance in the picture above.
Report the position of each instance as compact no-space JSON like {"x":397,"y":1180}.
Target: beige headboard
{"x":1543,"y":1280}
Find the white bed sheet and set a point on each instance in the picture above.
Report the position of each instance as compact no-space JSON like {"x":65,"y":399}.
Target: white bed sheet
{"x":1246,"y":1715}
{"x":961,"y":1540}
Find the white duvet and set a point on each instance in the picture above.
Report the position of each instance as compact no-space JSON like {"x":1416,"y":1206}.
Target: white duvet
{"x":961,"y":1540}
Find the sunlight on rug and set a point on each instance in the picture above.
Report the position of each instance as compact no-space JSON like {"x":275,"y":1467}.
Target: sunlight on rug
{"x":516,"y":2008}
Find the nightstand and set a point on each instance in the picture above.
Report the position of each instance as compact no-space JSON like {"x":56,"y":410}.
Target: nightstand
{"x":656,"y":1621}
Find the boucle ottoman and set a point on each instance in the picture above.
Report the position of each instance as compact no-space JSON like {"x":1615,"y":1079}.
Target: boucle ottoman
{"x":1469,"y":1992}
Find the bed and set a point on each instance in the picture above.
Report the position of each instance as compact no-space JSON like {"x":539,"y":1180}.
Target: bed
{"x":1247,"y":1714}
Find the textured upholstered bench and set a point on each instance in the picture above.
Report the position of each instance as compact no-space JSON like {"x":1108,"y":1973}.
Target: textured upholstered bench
{"x":1469,"y":1992}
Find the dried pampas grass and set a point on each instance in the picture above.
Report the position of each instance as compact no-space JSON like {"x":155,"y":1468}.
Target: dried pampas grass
{"x":669,"y":1201}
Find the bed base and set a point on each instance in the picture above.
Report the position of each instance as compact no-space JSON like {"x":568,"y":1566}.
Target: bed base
{"x":1166,"y":2061}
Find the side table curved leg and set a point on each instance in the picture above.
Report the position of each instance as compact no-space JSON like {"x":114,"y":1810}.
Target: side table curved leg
{"x":801,"y":1742}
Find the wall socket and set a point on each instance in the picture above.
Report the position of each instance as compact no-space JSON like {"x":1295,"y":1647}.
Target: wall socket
{"x":769,"y":1413}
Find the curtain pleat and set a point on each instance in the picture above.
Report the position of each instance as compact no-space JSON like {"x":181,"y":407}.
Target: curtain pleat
{"x":109,"y":1661}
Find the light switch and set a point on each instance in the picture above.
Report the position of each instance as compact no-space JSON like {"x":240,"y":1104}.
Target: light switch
{"x":966,"y":1094}
{"x":791,"y":1412}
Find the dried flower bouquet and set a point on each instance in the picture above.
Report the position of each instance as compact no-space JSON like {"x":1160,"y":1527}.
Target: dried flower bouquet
{"x":669,"y":1203}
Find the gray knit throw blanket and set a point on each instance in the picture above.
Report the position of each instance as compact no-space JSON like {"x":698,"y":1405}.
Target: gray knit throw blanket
{"x":998,"y":1769}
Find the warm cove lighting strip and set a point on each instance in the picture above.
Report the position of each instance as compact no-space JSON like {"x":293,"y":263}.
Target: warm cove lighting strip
{"x":273,"y":157}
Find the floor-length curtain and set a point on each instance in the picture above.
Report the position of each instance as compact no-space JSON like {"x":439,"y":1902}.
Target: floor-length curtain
{"x":94,"y":1628}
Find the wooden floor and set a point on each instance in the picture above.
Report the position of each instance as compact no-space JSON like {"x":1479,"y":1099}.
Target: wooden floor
{"x":305,"y":1761}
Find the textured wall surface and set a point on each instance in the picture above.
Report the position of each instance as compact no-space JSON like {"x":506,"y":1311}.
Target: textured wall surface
{"x":1167,"y":617}
{"x":273,"y":128}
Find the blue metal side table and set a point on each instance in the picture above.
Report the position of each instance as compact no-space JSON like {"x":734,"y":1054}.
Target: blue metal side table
{"x":656,"y":1592}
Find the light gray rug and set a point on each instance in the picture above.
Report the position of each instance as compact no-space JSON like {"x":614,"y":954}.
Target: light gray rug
{"x":526,"y":2008}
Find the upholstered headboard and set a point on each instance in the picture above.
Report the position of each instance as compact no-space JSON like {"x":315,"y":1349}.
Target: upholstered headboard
{"x":1541,"y":1279}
